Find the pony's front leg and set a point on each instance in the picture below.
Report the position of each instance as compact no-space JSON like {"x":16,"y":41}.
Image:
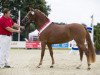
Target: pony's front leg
{"x":43,"y":44}
{"x":51,"y":54}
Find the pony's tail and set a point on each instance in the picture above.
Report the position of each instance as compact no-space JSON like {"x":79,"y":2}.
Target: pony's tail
{"x":91,"y":49}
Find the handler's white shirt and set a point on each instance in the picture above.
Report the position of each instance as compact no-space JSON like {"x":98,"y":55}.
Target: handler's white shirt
{"x":4,"y":50}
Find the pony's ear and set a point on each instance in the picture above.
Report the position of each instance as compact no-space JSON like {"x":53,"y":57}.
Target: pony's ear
{"x":32,"y":12}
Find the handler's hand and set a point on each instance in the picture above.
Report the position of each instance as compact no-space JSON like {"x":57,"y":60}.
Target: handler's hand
{"x":18,"y":31}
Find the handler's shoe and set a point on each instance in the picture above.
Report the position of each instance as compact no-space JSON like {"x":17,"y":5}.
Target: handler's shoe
{"x":7,"y":66}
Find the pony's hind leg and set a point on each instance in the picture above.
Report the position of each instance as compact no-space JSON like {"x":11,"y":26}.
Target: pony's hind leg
{"x":85,"y":50}
{"x":51,"y":54}
{"x":82,"y":48}
{"x":88,"y":60}
{"x":43,"y":44}
{"x":81,"y":58}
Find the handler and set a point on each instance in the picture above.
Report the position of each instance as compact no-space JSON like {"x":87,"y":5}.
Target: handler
{"x":6,"y":30}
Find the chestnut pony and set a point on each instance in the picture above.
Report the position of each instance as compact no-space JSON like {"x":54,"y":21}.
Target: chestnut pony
{"x":52,"y":33}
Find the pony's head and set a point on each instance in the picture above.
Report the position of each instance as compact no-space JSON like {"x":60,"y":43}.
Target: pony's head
{"x":30,"y":16}
{"x":36,"y":16}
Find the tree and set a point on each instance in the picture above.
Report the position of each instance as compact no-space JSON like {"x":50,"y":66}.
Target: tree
{"x":97,"y":36}
{"x":16,"y":5}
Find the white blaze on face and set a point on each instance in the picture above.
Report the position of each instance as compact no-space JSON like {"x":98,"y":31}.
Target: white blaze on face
{"x":32,"y":12}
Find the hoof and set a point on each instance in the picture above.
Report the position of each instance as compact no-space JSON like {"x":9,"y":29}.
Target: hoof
{"x":88,"y":68}
{"x":77,"y":67}
{"x":51,"y":66}
{"x":38,"y":67}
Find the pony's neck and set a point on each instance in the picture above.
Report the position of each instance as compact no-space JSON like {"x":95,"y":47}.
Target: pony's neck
{"x":40,"y":20}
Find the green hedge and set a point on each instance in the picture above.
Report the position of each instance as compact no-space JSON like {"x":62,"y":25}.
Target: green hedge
{"x":97,"y":36}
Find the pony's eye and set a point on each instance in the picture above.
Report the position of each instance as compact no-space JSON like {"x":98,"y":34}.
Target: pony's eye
{"x":32,"y":13}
